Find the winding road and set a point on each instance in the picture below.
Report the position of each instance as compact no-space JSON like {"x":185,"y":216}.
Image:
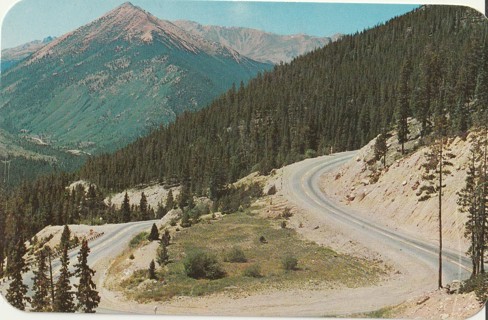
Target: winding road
{"x":302,"y":187}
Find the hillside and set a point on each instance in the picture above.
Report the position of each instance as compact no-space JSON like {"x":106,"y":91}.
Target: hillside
{"x":256,"y":44}
{"x":392,"y":200}
{"x":111,"y":81}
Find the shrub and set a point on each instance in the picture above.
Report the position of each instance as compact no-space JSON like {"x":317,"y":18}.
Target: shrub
{"x":289,"y":263}
{"x":253,"y":271}
{"x":236,"y":255}
{"x":272,"y":190}
{"x":310,"y":153}
{"x":185,"y":220}
{"x":132,"y":256}
{"x":287,"y":213}
{"x":283,"y":224}
{"x":202,"y":265}
{"x":138,"y":239}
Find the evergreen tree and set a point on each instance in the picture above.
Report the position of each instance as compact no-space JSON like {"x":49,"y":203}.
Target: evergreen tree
{"x":154,"y":234}
{"x":143,"y":207}
{"x":41,"y":300}
{"x":436,"y":167}
{"x":469,"y":201}
{"x":152,"y":270}
{"x":49,"y":252}
{"x":166,"y":237}
{"x":16,"y":292}
{"x":125,"y":209}
{"x":161,"y":211}
{"x":170,"y":201}
{"x":217,"y":182}
{"x":381,"y":148}
{"x":63,"y":299}
{"x":185,"y":194}
{"x":162,"y":253}
{"x":65,"y":237}
{"x":403,"y":104}
{"x":87,"y":295}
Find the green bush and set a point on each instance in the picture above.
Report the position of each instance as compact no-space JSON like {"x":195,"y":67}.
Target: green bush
{"x":202,"y":265}
{"x":289,"y":263}
{"x":253,"y":271}
{"x":138,"y":239}
{"x":236,"y":255}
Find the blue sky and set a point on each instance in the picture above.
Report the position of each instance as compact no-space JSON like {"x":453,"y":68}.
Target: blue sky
{"x":36,"y":19}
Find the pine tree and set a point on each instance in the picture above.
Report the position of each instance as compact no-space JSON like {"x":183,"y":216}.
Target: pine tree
{"x":16,"y":292}
{"x":166,"y":237}
{"x":152,"y":270}
{"x":143,"y":207}
{"x":87,"y":295}
{"x":49,"y":252}
{"x":41,"y":300}
{"x":436,"y":167}
{"x":154,"y":235}
{"x":63,"y":299}
{"x":403,"y":104}
{"x":65,"y":237}
{"x":161,"y":211}
{"x":381,"y":148}
{"x":184,"y":196}
{"x":125,"y":209}
{"x":170,"y":201}
{"x":469,"y":202}
{"x":162,"y":253}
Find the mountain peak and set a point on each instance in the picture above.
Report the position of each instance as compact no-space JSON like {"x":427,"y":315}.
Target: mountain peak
{"x":132,"y":24}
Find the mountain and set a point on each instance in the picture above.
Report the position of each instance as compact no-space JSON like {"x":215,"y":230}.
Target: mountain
{"x":13,"y":56}
{"x":256,"y":44}
{"x":108,"y":82}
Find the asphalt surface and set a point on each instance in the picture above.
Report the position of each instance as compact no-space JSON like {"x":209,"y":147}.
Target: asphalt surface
{"x":303,"y":189}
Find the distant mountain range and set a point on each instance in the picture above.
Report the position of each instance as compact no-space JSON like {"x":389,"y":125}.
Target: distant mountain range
{"x":256,"y":44}
{"x":110,"y":81}
{"x":12,"y":56}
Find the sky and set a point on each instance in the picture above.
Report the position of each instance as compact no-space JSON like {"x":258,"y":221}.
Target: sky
{"x":36,"y":19}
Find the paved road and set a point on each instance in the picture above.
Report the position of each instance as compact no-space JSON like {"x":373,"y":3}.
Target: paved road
{"x":302,"y":187}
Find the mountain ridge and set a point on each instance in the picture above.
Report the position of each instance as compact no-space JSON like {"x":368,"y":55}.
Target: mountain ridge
{"x":257,"y":44}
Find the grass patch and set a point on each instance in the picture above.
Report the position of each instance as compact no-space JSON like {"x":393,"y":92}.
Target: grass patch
{"x":260,"y":266}
{"x":138,"y":240}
